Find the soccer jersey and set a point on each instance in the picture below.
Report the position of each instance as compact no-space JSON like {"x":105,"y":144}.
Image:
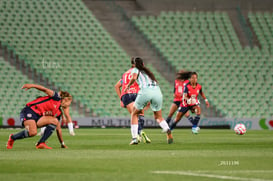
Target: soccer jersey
{"x":45,"y":104}
{"x":178,"y":89}
{"x":192,"y":94}
{"x":143,"y":80}
{"x":126,"y":77}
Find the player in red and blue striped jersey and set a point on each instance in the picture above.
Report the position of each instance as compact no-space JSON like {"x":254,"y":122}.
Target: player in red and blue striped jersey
{"x":190,"y":102}
{"x":43,"y":111}
{"x":128,"y":98}
{"x":181,"y":80}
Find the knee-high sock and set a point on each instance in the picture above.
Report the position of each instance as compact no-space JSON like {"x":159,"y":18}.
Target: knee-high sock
{"x":140,"y":123}
{"x":20,"y":135}
{"x":48,"y":131}
{"x":196,"y":120}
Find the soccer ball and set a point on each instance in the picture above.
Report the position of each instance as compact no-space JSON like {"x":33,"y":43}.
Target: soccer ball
{"x":240,"y":129}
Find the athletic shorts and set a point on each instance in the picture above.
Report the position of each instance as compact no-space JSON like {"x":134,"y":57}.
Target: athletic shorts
{"x":186,"y":108}
{"x":27,"y":113}
{"x":128,"y":98}
{"x":177,"y":103}
{"x":152,"y":95}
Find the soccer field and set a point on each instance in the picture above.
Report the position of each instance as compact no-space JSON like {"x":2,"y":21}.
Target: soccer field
{"x":105,"y":154}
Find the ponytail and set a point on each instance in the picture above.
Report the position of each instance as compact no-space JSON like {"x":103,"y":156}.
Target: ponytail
{"x":140,"y":66}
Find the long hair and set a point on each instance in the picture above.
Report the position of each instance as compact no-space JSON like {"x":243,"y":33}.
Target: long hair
{"x":140,"y":66}
{"x":183,"y":75}
{"x":65,"y":94}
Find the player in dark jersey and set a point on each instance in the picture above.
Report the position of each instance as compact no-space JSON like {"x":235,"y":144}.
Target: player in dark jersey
{"x":190,"y":102}
{"x":181,"y":80}
{"x":128,"y":98}
{"x":43,"y":111}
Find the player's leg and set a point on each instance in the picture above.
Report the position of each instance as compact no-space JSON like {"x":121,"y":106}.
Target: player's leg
{"x":134,"y":125}
{"x":156,"y":106}
{"x":179,"y":115}
{"x":195,"y":128}
{"x":141,"y":133}
{"x":189,"y":117}
{"x":173,"y":108}
{"x":141,"y":101}
{"x":29,"y":131}
{"x":51,"y":123}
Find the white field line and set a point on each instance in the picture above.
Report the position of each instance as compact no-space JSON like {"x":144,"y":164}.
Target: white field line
{"x":198,"y":174}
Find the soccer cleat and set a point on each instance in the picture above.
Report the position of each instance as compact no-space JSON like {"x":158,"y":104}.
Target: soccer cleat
{"x":195,"y":130}
{"x":10,"y":142}
{"x":42,"y":146}
{"x":72,"y":133}
{"x":169,"y":137}
{"x":134,"y":141}
{"x":145,"y":137}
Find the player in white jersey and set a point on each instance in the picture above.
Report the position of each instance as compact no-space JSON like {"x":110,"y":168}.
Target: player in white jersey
{"x":149,"y":92}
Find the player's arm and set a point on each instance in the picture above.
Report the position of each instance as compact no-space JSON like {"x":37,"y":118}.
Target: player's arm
{"x":204,"y":97}
{"x":117,"y":88}
{"x":67,"y":114}
{"x":134,"y":78}
{"x":60,"y":135}
{"x":40,"y":88}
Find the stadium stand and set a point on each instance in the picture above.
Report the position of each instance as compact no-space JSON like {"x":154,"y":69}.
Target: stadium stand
{"x":64,"y":42}
{"x":238,"y":81}
{"x":13,"y":98}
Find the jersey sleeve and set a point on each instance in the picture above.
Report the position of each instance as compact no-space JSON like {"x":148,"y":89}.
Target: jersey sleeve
{"x":56,"y":96}
{"x":135,"y":71}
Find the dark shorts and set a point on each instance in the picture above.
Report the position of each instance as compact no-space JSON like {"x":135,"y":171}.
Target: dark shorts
{"x":128,"y":98}
{"x":177,"y":103}
{"x":27,"y":114}
{"x":187,"y":108}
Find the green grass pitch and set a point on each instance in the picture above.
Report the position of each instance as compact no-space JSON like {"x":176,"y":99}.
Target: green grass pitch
{"x":105,"y":154}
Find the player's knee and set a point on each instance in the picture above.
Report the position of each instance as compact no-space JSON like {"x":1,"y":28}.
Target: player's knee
{"x":32,"y":133}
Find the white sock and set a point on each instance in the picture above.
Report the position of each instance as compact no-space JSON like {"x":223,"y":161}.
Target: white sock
{"x":134,"y":128}
{"x":164,"y":125}
{"x":43,"y":130}
{"x":70,"y":127}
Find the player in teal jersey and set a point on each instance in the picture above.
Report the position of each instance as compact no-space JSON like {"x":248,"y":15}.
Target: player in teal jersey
{"x":149,"y":92}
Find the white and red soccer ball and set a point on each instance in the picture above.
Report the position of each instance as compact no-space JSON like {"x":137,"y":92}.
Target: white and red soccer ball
{"x":240,"y":129}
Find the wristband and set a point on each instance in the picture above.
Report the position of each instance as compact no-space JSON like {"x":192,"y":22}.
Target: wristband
{"x":206,"y":100}
{"x":62,"y":143}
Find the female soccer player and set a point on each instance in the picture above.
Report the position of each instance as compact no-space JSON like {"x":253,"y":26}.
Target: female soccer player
{"x":191,"y":102}
{"x":149,"y":92}
{"x":128,"y":98}
{"x":40,"y":112}
{"x":66,"y":118}
{"x":179,"y":84}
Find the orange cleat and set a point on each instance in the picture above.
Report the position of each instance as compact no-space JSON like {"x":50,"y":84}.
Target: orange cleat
{"x":10,"y":142}
{"x":42,"y":146}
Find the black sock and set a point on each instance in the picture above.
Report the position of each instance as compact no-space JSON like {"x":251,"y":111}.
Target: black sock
{"x":48,"y":131}
{"x":140,"y":123}
{"x":173,"y":125}
{"x":20,"y":135}
{"x":190,"y":118}
{"x":168,"y":120}
{"x":196,"y":120}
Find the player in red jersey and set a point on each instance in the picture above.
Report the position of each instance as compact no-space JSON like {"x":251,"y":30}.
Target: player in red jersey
{"x":181,"y":80}
{"x":128,"y":98}
{"x":190,"y":102}
{"x":43,"y":111}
